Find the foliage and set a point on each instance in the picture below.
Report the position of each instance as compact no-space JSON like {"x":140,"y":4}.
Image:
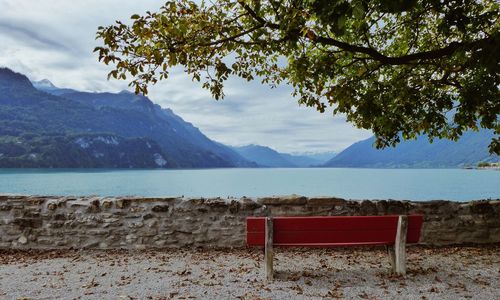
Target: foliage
{"x":483,"y":164}
{"x":64,"y":151}
{"x":399,"y":68}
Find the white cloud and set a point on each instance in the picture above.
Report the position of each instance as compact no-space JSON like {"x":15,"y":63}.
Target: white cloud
{"x":54,"y":39}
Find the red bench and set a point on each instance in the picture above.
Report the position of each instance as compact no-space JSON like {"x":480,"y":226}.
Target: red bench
{"x":334,"y":231}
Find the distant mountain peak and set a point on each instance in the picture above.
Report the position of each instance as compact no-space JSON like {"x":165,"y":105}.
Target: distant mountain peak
{"x":268,"y":157}
{"x":263,"y":156}
{"x":44,"y":85}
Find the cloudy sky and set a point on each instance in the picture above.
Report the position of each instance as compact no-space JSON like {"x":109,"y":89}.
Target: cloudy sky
{"x":54,"y":39}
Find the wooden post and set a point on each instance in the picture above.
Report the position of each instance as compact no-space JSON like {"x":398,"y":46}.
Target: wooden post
{"x":268,"y":252}
{"x":392,"y":257}
{"x":400,"y":245}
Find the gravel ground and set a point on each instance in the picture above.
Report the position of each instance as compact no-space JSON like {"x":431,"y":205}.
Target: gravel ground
{"x":358,"y":273}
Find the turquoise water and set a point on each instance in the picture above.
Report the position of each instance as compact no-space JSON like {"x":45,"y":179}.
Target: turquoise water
{"x":410,"y":184}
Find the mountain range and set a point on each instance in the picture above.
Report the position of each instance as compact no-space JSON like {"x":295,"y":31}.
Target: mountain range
{"x":471,"y":149}
{"x":42,"y":125}
{"x":267,"y":157}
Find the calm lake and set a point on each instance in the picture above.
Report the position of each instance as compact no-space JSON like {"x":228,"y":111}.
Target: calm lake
{"x":410,"y":184}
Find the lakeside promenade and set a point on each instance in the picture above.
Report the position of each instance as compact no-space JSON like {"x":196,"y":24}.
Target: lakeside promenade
{"x":353,"y":273}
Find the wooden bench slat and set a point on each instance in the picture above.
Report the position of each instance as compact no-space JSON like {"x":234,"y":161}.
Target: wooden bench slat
{"x":329,"y":245}
{"x":332,"y":231}
{"x":386,"y":237}
{"x":339,"y":223}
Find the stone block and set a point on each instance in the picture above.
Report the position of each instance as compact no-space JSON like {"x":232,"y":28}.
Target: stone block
{"x":94,"y":207}
{"x":285,"y":200}
{"x":111,"y":220}
{"x":481,"y":207}
{"x":160,"y":243}
{"x":136,"y":209}
{"x":35,"y":201}
{"x":91,"y":244}
{"x":52,"y":206}
{"x":107,"y":204}
{"x":59,"y":217}
{"x":140,"y":247}
{"x":56,"y":224}
{"x":494,"y":235}
{"x":325,"y":201}
{"x":5,"y":207}
{"x":201,"y":209}
{"x":147,"y":232}
{"x":368,"y":208}
{"x":147,"y":216}
{"x":397,"y":207}
{"x":28,"y":223}
{"x":22,"y":240}
{"x":160,"y":208}
{"x":249,"y":204}
{"x":123,"y":203}
{"x":93,"y":232}
{"x":151,"y":223}
{"x":31,"y":214}
{"x":136,"y":224}
{"x":130,"y":238}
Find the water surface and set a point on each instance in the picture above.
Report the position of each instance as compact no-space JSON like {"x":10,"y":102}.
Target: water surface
{"x":409,"y":184}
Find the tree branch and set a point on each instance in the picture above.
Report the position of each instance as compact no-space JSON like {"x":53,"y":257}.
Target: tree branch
{"x":400,"y":60}
{"x":232,"y":38}
{"x":257,"y":17}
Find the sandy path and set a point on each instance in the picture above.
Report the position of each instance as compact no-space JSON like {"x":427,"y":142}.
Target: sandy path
{"x":441,"y":273}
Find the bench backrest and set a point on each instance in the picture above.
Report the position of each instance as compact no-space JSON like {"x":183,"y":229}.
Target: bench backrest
{"x":332,"y":230}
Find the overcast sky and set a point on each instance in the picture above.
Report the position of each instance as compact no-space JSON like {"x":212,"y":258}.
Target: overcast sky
{"x":54,"y":39}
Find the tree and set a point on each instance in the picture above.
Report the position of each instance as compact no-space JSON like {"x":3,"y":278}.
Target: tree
{"x":398,"y":67}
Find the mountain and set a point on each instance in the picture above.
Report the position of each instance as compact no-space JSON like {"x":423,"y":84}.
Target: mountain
{"x":29,"y":116}
{"x":180,"y":140}
{"x":469,"y":150}
{"x":44,"y":85}
{"x":322,"y":157}
{"x":80,"y":151}
{"x":47,"y":86}
{"x":267,"y":157}
{"x":305,"y":160}
{"x":264,"y":156}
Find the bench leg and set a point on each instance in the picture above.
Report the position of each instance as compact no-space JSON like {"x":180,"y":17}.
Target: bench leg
{"x":392,"y":258}
{"x":400,"y":246}
{"x":268,"y":252}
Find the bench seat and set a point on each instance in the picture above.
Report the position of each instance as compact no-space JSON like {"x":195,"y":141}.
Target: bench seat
{"x":332,"y":231}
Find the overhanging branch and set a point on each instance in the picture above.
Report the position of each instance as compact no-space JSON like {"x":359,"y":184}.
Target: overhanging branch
{"x":400,"y":60}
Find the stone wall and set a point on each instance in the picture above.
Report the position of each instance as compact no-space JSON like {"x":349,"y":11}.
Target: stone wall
{"x":139,"y":223}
